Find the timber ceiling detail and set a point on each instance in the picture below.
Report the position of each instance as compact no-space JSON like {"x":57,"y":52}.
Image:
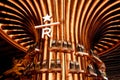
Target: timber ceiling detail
{"x":94,"y":23}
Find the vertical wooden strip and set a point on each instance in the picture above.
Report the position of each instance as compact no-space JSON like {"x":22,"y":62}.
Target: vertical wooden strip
{"x":63,"y":68}
{"x":44,"y":10}
{"x":77,"y":33}
{"x":62,"y":35}
{"x":57,"y":2}
{"x":37,"y":3}
{"x":81,"y":19}
{"x":67,"y":25}
{"x":81,"y":75}
{"x":77,"y":37}
{"x":51,"y":54}
{"x":72,"y":32}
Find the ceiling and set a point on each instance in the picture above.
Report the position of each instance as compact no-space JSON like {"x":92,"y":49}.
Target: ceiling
{"x":94,"y":23}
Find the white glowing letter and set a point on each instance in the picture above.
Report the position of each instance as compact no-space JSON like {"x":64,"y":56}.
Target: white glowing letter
{"x":46,"y":31}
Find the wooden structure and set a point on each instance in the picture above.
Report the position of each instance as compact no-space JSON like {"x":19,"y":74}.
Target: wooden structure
{"x":65,"y":54}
